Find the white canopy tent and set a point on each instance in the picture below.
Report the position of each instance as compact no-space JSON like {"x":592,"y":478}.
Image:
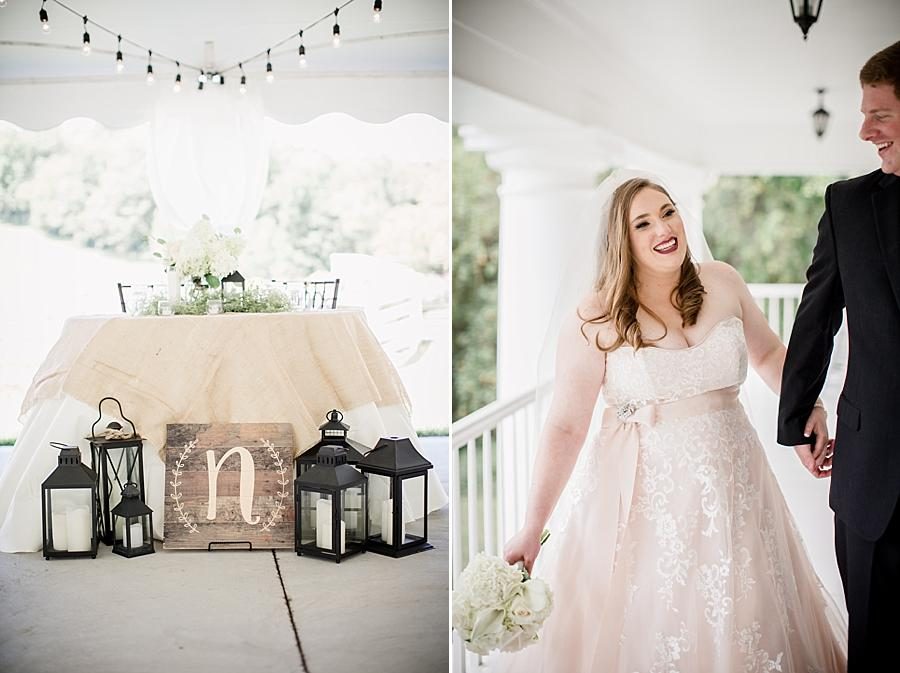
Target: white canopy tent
{"x":209,"y":148}
{"x":381,"y":71}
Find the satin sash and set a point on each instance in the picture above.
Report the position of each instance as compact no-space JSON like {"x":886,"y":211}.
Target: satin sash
{"x":620,"y":431}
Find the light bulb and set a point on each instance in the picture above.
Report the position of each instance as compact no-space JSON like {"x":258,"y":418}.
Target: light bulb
{"x":150,"y":77}
{"x":376,"y":17}
{"x":270,"y":77}
{"x":177,"y":86}
{"x":120,"y":64}
{"x":302,"y":52}
{"x":303,"y":61}
{"x":45,"y":19}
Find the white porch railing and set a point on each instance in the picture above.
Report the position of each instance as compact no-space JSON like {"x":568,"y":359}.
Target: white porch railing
{"x":490,"y":474}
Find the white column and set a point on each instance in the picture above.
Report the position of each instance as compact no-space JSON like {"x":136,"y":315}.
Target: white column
{"x":546,"y":220}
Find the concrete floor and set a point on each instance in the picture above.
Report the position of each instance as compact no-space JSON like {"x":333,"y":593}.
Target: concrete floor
{"x":247,"y":612}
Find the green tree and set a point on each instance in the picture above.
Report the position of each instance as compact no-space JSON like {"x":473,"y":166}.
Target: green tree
{"x":765,"y":227}
{"x":476,"y":231}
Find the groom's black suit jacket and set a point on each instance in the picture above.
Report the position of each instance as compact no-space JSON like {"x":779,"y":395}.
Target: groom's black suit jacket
{"x":856,"y":264}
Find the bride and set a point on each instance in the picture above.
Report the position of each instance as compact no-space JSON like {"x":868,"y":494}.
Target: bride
{"x":677,"y":552}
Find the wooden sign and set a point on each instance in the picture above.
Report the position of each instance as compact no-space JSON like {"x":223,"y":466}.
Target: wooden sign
{"x":229,"y":483}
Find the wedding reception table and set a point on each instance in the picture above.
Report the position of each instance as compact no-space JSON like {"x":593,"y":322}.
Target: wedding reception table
{"x":235,"y":368}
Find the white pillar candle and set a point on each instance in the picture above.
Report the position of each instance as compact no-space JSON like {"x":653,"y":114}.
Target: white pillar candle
{"x":78,"y":529}
{"x":323,"y":527}
{"x":60,"y":539}
{"x":323,"y":524}
{"x":352,"y":508}
{"x":137,"y":535}
{"x":387,"y":523}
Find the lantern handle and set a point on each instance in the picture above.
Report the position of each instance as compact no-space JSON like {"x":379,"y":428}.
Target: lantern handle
{"x":60,"y":446}
{"x":334,"y":411}
{"x":121,"y":413}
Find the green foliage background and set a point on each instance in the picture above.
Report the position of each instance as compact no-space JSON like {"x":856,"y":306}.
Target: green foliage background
{"x":476,"y":236}
{"x":88,"y":184}
{"x":763,"y":226}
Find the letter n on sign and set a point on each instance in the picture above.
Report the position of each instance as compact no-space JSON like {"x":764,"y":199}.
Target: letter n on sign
{"x":229,"y":482}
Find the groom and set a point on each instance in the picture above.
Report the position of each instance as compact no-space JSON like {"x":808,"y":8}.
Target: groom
{"x":856,"y":265}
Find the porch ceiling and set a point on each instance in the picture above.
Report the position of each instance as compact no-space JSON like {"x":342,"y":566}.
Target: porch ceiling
{"x":729,"y":87}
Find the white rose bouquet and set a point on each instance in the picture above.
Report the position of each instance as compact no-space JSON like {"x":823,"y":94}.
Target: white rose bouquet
{"x":203,"y":253}
{"x":498,"y":606}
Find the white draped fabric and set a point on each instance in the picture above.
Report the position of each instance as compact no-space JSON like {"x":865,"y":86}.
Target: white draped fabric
{"x":209,"y":156}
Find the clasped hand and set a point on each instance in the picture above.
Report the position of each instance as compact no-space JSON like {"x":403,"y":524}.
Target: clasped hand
{"x":817,"y":457}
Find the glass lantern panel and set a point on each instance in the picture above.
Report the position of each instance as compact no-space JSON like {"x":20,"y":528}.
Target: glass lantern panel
{"x":414,"y":505}
{"x":135,"y":531}
{"x":309,"y":517}
{"x":124,"y":462}
{"x":354,"y":511}
{"x":334,"y":433}
{"x":70,"y":527}
{"x":379,"y":503}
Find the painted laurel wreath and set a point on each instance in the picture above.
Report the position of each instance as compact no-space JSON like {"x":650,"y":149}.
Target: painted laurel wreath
{"x":274,"y":513}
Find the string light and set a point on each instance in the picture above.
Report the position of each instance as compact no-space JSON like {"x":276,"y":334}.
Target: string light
{"x":201,"y":79}
{"x":45,"y":18}
{"x":86,"y":39}
{"x":218,"y":76}
{"x":302,"y":52}
{"x":149,"y":67}
{"x":336,"y":31}
{"x":120,"y":64}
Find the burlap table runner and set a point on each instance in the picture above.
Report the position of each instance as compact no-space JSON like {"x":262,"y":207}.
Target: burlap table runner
{"x":238,"y":368}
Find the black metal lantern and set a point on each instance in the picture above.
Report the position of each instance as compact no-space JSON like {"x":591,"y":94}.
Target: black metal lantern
{"x":391,"y":465}
{"x":820,"y":116}
{"x":118,"y":457}
{"x":69,"y":507}
{"x":330,"y":507}
{"x":137,"y":524}
{"x":232,"y":279}
{"x":805,"y":13}
{"x":334,"y":433}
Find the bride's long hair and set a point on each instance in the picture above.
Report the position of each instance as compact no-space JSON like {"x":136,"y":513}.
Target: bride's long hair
{"x":616,"y":283}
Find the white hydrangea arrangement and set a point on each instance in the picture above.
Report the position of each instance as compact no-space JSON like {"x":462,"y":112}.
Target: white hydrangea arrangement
{"x":203,"y":252}
{"x":498,"y":606}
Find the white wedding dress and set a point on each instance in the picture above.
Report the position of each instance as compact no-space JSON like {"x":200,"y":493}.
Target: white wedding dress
{"x":677,"y":553}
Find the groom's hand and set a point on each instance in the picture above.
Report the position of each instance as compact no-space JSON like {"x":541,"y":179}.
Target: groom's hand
{"x":816,"y":457}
